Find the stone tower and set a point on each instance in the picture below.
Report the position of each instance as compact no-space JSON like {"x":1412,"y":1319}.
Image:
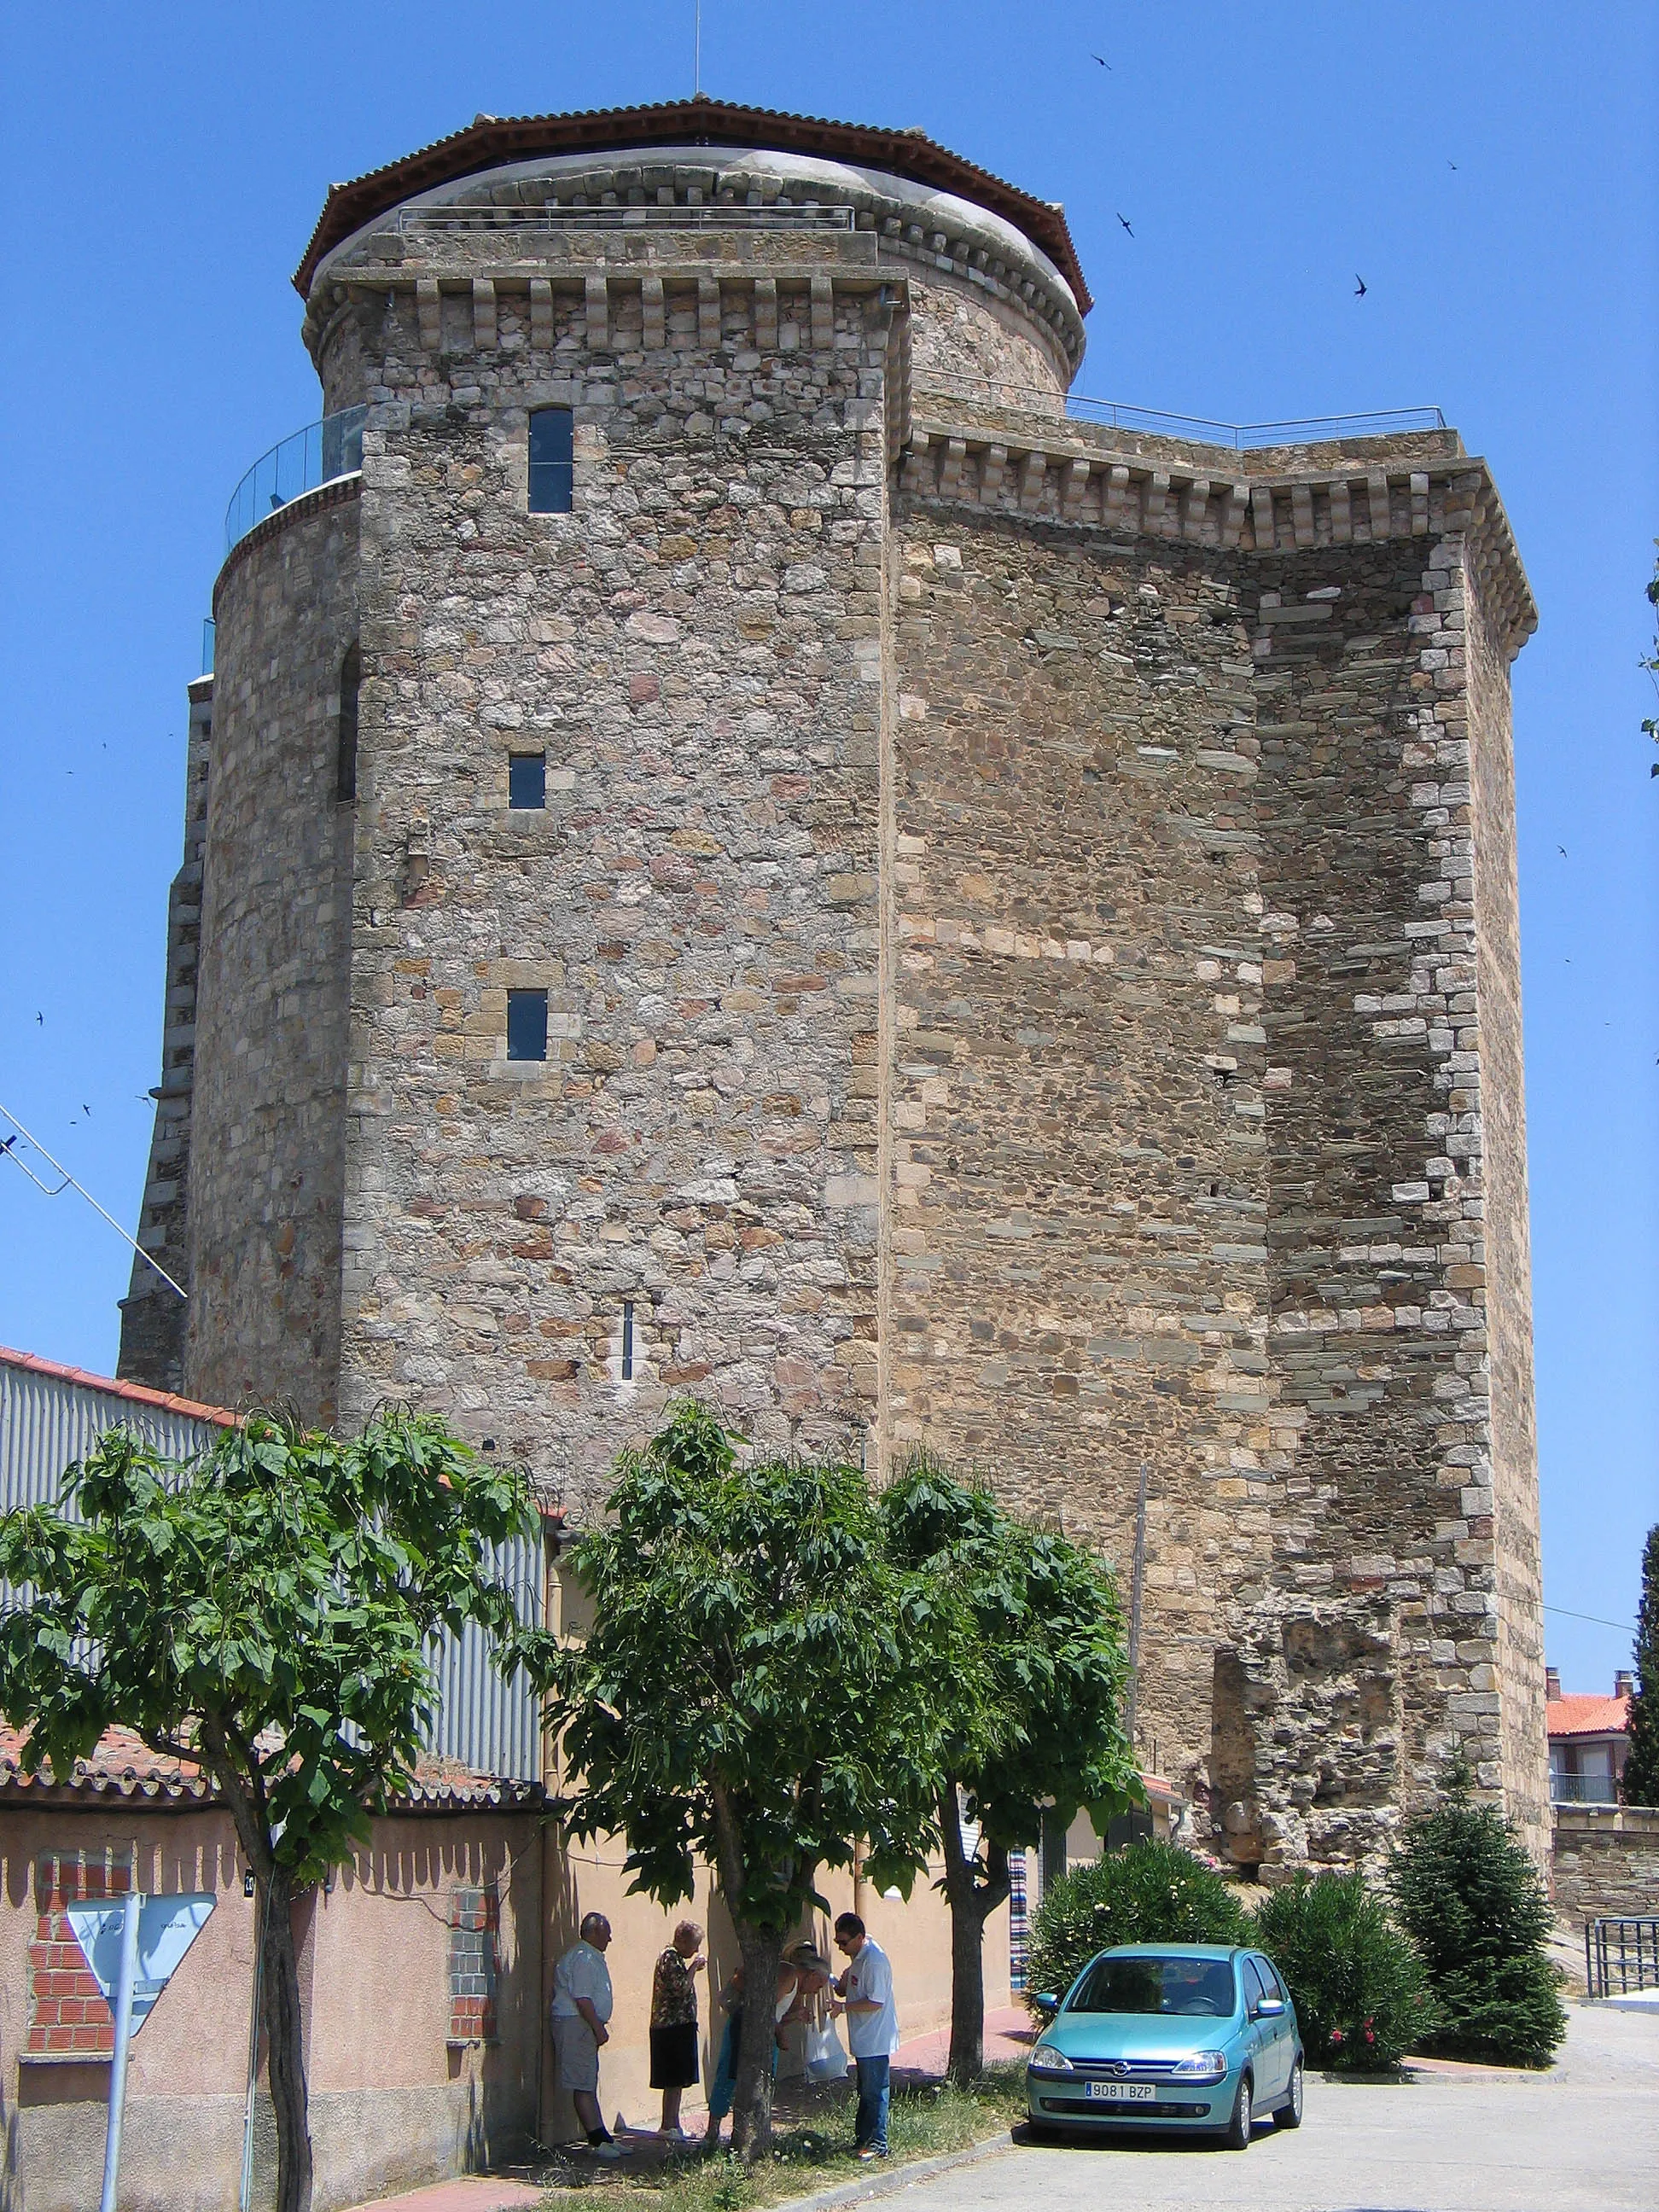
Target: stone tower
{"x":747,"y":847}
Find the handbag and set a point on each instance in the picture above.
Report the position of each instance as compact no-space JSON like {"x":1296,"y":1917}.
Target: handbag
{"x":824,"y":2057}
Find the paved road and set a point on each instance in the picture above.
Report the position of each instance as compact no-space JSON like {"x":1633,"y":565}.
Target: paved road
{"x":1583,"y":2138}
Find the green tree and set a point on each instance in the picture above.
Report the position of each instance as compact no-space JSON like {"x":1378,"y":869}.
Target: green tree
{"x":1362,"y":1999}
{"x":1470,"y":1898}
{"x":1641,"y":1777}
{"x":267,"y":1611}
{"x":1034,"y":1723}
{"x":1148,"y":1893}
{"x":758,"y":1689}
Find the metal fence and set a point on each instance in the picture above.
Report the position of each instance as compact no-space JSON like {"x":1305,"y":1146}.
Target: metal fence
{"x":1583,"y":1790}
{"x":316,"y":455}
{"x":1621,"y":1956}
{"x":1199,"y":429}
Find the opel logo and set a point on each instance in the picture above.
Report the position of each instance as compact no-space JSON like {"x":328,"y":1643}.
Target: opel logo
{"x":1120,"y":2068}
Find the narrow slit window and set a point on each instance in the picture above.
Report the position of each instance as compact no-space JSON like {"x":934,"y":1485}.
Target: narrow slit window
{"x":527,"y":1025}
{"x":345,"y":765}
{"x":552,"y":468}
{"x":627,"y":1340}
{"x":527,"y":782}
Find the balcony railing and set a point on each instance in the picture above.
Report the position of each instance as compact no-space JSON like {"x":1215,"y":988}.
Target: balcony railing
{"x":313,"y":456}
{"x":1195,"y":429}
{"x":1583,"y":1790}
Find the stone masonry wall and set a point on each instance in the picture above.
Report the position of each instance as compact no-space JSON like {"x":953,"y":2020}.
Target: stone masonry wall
{"x":1505,"y":1253}
{"x":269,"y":1121}
{"x":154,"y":1317}
{"x":1606,"y":1862}
{"x":697,"y":650}
{"x":1184,"y":1165}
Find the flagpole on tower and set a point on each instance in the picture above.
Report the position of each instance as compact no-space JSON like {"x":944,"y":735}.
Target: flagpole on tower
{"x":696,"y":59}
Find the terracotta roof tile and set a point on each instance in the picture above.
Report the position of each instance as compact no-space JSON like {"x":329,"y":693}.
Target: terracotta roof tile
{"x":123,"y":1767}
{"x":136,"y":1392}
{"x":1588,"y":1715}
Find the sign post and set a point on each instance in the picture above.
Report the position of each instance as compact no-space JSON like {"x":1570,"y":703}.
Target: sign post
{"x":133,"y":1949}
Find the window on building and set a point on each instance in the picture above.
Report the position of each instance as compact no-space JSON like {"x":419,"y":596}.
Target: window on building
{"x":551,"y":465}
{"x":527,"y":1025}
{"x":345,"y":767}
{"x":627,"y":1340}
{"x":527,"y":782}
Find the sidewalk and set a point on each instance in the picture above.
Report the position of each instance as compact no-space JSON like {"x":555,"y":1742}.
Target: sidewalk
{"x":1008,"y":2035}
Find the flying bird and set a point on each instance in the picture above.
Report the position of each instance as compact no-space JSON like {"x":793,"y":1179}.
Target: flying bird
{"x":1562,"y":850}
{"x":1102,"y":59}
{"x":87,"y":1110}
{"x":41,"y":1019}
{"x":8,"y":1142}
{"x":1360,"y":287}
{"x":1124,"y":219}
{"x":1451,"y":165}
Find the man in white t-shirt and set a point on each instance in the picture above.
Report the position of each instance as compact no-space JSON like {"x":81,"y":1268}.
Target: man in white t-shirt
{"x":864,"y":1993}
{"x":581,"y":2008}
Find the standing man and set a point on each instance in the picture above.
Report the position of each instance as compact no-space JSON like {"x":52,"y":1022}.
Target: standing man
{"x":581,"y":2006}
{"x":864,"y":1991}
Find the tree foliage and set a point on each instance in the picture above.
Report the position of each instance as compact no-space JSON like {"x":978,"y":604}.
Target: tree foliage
{"x":1640,"y":1784}
{"x":268,"y":1612}
{"x":760,"y":1689}
{"x":1147,"y":1893}
{"x":1362,"y":1998}
{"x":1470,"y":1899}
{"x":1035,"y":1723}
{"x":1649,"y":661}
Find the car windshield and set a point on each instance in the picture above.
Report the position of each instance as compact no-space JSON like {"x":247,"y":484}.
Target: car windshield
{"x":1202,"y":1988}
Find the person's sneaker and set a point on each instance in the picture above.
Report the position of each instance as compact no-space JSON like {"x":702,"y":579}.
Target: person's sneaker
{"x":609,"y":2148}
{"x":871,"y":2151}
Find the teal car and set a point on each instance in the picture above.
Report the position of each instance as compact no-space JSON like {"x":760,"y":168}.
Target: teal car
{"x":1195,"y":2035}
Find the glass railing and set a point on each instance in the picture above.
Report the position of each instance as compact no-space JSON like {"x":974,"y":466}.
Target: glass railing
{"x":1583,"y":1790}
{"x":313,"y":456}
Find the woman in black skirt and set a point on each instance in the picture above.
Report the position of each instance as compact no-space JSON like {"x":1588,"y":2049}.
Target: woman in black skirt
{"x":674,"y":2023}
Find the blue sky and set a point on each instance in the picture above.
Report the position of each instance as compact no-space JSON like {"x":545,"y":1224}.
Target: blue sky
{"x":1489,"y":170}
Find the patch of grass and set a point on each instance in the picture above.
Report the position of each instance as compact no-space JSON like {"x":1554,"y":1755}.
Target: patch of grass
{"x":809,"y":2153}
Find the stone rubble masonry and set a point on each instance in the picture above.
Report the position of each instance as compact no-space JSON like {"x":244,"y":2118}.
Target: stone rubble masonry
{"x":1606,"y":1862}
{"x":69,"y":2020}
{"x":1028,"y":919}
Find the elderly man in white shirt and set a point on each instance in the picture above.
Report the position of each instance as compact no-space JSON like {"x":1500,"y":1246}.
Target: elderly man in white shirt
{"x":580,"y":2008}
{"x":864,"y":1994}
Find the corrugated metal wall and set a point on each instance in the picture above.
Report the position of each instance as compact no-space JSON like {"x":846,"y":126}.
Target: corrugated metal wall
{"x":46,"y":1423}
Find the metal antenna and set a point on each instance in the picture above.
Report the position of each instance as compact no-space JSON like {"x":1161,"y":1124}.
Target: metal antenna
{"x":9,"y":1149}
{"x":696,"y":60}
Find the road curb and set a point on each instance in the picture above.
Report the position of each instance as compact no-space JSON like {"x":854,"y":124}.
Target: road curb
{"x":884,"y":2182}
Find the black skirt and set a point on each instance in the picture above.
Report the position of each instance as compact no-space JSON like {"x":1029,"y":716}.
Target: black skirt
{"x":674,"y":2056}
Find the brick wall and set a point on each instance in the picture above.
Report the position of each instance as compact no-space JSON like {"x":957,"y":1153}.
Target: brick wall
{"x":474,"y":1920}
{"x":68,"y":2018}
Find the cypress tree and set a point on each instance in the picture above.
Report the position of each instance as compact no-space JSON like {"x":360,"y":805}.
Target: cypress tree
{"x":1640,"y":1781}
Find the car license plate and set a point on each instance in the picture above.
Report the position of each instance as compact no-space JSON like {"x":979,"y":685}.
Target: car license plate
{"x":1121,"y":2093}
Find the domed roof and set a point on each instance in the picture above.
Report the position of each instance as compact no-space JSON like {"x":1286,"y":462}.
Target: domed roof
{"x":490,"y":141}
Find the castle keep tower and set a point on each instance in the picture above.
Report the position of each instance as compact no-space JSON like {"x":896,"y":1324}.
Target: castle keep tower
{"x":748,"y":848}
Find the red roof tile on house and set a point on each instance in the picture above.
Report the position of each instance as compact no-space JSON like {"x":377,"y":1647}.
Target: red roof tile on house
{"x":1587,"y":1716}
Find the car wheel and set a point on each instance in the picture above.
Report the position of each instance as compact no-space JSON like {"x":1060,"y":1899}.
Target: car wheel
{"x":1236,"y":2135}
{"x":1289,"y":2114}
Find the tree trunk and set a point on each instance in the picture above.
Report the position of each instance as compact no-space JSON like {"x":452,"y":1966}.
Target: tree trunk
{"x":751,"y":2102}
{"x":285,"y":2046}
{"x":972,"y":1899}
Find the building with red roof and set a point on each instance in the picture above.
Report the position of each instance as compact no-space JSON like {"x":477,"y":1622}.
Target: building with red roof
{"x":1589,"y":1740}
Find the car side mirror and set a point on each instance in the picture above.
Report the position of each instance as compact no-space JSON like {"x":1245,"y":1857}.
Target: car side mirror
{"x":1046,"y":2000}
{"x":1267,"y":2007}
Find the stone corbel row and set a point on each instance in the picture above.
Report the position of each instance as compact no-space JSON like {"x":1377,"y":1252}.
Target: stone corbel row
{"x":1142,"y":497}
{"x":600,"y":295}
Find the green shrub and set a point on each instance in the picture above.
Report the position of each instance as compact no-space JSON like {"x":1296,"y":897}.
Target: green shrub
{"x":1471,"y":1900}
{"x":1145,"y":1893}
{"x":1362,"y":1999}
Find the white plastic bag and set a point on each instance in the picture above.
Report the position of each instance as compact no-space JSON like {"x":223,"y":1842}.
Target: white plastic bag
{"x":824,"y":2059}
